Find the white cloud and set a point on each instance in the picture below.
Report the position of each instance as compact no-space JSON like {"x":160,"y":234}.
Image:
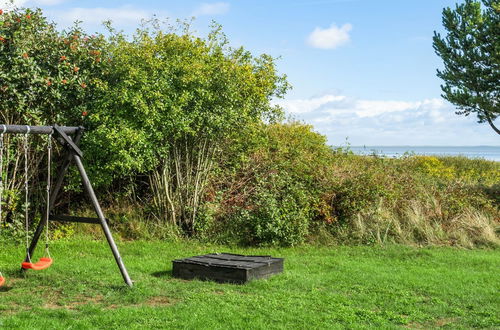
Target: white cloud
{"x":331,"y":37}
{"x":121,"y":15}
{"x":305,"y":106}
{"x":48,"y":2}
{"x":371,"y":108}
{"x":92,"y":18}
{"x":210,"y":9}
{"x":388,"y":122}
{"x":6,"y":4}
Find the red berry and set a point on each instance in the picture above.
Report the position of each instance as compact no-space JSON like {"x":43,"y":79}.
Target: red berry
{"x":85,"y":113}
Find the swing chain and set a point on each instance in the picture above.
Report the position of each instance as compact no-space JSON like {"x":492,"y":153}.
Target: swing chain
{"x":4,"y":129}
{"x":26,"y":191}
{"x":47,"y":206}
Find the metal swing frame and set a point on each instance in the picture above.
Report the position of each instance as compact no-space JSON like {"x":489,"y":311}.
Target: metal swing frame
{"x":69,"y":138}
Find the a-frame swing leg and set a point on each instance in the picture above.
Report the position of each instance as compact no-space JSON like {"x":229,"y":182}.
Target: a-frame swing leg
{"x":97,"y":208}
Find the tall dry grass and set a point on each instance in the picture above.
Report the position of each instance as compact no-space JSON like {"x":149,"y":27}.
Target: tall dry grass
{"x":423,"y":223}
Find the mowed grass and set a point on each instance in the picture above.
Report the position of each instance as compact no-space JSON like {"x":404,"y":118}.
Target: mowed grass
{"x":322,"y":287}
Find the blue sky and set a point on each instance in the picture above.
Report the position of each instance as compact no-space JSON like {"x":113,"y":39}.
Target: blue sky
{"x":360,"y":69}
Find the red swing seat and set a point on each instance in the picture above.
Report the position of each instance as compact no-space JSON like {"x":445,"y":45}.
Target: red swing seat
{"x":2,"y":281}
{"x":41,"y":264}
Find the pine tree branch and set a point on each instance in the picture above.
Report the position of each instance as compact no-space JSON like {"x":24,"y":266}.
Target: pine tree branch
{"x":488,"y":118}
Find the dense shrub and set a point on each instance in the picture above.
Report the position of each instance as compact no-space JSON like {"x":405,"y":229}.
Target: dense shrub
{"x":286,"y":186}
{"x":268,"y":197}
{"x":183,"y":95}
{"x":416,"y":200}
{"x":47,"y":76}
{"x":278,"y":212}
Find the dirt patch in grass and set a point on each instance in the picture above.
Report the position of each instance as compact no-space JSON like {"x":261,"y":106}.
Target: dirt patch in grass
{"x":438,"y":323}
{"x":445,"y":321}
{"x":56,"y":302}
{"x":157,"y":301}
{"x":160,"y":301}
{"x":13,"y":308}
{"x":74,"y":304}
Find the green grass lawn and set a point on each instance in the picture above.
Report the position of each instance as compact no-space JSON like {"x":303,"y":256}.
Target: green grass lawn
{"x":334,"y":287}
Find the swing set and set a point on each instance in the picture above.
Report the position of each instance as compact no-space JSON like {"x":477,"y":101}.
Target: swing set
{"x":69,"y":139}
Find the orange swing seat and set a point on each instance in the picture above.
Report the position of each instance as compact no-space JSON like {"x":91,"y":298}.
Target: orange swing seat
{"x":41,"y":264}
{"x":2,"y":281}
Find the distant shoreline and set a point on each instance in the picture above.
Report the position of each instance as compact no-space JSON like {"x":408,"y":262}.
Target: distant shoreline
{"x":473,"y":152}
{"x":421,"y":146}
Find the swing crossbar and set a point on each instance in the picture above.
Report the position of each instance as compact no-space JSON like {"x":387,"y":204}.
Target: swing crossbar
{"x":39,"y":130}
{"x":67,"y":218}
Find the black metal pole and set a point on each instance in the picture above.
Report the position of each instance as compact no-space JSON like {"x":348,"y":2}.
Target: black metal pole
{"x":95,"y":203}
{"x":55,"y":192}
{"x":23,"y":129}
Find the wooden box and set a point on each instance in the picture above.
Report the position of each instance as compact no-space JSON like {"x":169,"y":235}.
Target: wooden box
{"x":227,"y":267}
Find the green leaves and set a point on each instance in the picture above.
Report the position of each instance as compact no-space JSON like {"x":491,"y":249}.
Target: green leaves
{"x":173,"y":86}
{"x":45,"y":75}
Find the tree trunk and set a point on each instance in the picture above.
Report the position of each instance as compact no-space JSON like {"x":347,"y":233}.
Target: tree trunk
{"x":488,"y":118}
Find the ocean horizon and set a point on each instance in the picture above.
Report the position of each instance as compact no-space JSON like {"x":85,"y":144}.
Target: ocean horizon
{"x":473,"y":152}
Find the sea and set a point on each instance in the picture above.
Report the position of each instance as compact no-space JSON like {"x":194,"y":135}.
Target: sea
{"x":484,"y":152}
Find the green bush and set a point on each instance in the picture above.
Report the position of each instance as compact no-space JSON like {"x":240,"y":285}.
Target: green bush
{"x":281,"y":184}
{"x":47,"y":76}
{"x":269,"y":194}
{"x":183,"y":95}
{"x":277,"y":213}
{"x":414,"y":200}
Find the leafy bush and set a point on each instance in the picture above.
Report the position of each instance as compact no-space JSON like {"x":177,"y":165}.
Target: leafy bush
{"x":157,"y":104}
{"x":415,"y":200}
{"x":47,"y":76}
{"x":281,"y":184}
{"x":268,"y":197}
{"x":182,"y":95}
{"x":277,"y":213}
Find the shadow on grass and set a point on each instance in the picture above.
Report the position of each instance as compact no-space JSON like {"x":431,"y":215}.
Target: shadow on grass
{"x":167,"y":273}
{"x":5,"y":288}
